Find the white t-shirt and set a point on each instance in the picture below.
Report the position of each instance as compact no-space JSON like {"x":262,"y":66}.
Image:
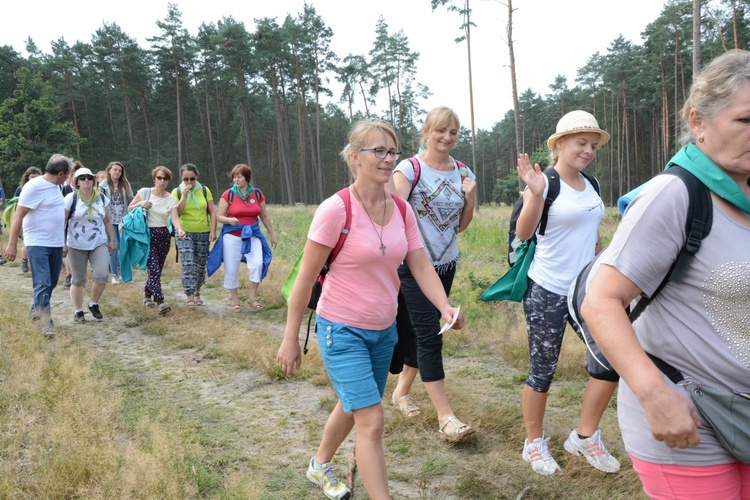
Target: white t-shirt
{"x":161,"y":209}
{"x":85,"y":234}
{"x":44,"y":225}
{"x":438,"y":203}
{"x":569,"y":241}
{"x":699,"y":325}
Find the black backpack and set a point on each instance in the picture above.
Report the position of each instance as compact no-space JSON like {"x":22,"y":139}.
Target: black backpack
{"x":552,"y":192}
{"x":697,"y":226}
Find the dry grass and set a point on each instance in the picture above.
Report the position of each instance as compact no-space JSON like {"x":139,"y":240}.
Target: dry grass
{"x":193,"y":405}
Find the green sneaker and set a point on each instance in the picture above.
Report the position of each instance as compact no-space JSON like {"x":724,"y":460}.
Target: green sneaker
{"x":326,"y":479}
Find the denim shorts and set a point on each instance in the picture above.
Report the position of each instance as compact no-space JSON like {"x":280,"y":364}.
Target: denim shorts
{"x":357,"y":361}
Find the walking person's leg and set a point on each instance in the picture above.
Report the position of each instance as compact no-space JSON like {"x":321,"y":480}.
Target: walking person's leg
{"x":186,"y":247}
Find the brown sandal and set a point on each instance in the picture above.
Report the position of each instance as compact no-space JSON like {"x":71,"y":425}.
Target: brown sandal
{"x":190,"y":303}
{"x":198,"y":300}
{"x":453,"y":430}
{"x":406,"y":405}
{"x":257,"y":306}
{"x":236,"y":308}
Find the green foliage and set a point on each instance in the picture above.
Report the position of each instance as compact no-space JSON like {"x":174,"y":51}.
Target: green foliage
{"x":233,"y":93}
{"x":31,"y":126}
{"x":506,"y":190}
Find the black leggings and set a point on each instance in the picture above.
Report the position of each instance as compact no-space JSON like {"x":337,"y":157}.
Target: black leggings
{"x":425,"y":319}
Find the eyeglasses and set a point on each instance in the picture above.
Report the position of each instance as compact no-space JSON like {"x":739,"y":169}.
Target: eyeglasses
{"x":160,"y":178}
{"x":186,"y":179}
{"x":86,"y":177}
{"x":382,"y":152}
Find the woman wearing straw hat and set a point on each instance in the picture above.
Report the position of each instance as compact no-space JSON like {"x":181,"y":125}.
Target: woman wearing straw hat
{"x":570,"y":241}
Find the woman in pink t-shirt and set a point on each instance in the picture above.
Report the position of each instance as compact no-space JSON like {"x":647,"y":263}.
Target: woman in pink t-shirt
{"x":357,"y":309}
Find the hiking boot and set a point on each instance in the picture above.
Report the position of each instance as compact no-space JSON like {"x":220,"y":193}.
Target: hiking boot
{"x":593,"y":449}
{"x":95,"y":312}
{"x":115,"y":279}
{"x":49,"y":335}
{"x":24,"y":265}
{"x":326,"y":479}
{"x":67,"y":281}
{"x":537,"y":454}
{"x":78,"y":317}
{"x":163,"y":308}
{"x":149,"y":302}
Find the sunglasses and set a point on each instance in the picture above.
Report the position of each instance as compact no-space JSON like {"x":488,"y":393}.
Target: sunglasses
{"x":160,"y":178}
{"x":186,"y":179}
{"x":86,"y":177}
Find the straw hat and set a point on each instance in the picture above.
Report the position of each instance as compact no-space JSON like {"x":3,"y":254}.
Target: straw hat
{"x":576,"y":122}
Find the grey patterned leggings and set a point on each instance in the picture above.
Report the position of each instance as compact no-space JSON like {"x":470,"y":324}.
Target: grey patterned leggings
{"x":194,"y":255}
{"x":546,"y":317}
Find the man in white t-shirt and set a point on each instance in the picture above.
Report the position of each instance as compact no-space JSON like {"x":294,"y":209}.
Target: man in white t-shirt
{"x":41,"y":213}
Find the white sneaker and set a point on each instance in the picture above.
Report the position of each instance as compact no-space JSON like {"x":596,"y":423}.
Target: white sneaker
{"x":327,"y":480}
{"x":115,"y":279}
{"x":537,"y":454}
{"x":593,"y":449}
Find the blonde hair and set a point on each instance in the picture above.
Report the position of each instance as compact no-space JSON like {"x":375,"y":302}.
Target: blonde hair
{"x":358,"y":137}
{"x":714,"y":89}
{"x":439,"y":117}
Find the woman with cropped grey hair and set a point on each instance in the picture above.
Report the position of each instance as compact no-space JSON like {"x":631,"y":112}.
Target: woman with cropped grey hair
{"x":696,"y":326}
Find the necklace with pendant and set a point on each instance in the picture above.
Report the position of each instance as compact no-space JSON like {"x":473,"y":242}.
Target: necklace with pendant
{"x":380,"y":235}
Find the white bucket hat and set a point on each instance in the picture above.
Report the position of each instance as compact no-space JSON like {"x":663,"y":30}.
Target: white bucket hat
{"x":576,"y":122}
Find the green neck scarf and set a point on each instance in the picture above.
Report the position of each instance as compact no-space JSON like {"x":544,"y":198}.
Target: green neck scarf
{"x":191,"y":198}
{"x":90,"y":208}
{"x":697,"y":163}
{"x":237,"y":192}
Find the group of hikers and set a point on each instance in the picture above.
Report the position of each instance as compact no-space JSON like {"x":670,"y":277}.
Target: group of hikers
{"x":62,"y":217}
{"x":394,"y":232}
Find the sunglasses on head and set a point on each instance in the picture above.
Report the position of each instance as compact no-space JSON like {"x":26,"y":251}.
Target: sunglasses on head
{"x":186,"y":179}
{"x":86,"y":177}
{"x":160,"y":178}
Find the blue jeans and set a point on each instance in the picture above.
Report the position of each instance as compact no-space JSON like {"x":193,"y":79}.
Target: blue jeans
{"x":46,"y":263}
{"x":114,"y":258}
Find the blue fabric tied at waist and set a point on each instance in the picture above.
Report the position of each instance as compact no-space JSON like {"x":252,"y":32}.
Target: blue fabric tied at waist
{"x":216,"y":256}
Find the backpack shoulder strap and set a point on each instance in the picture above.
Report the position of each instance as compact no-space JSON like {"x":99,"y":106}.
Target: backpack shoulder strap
{"x":417,"y":172}
{"x":73,"y":203}
{"x":697,"y":226}
{"x":345,"y":196}
{"x":553,"y":190}
{"x":461,"y":169}
{"x":593,"y":180}
{"x":401,"y":204}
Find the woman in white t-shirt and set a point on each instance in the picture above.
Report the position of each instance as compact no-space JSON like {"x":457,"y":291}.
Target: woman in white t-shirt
{"x":159,"y":204}
{"x":356,"y":336}
{"x":90,"y":239}
{"x":569,"y":242}
{"x":699,"y":324}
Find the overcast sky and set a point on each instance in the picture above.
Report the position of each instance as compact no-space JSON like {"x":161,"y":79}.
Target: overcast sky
{"x":552,"y":37}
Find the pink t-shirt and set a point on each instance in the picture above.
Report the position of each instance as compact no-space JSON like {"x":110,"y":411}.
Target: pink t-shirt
{"x":362,"y":285}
